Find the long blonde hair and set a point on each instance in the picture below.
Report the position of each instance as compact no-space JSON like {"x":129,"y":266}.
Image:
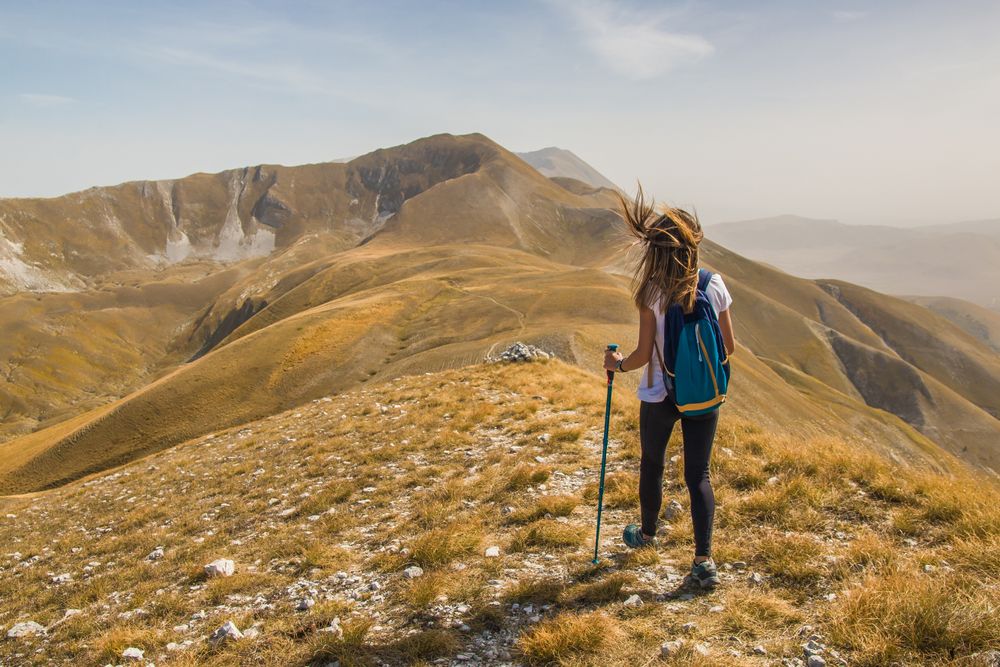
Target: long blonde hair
{"x":669,"y":263}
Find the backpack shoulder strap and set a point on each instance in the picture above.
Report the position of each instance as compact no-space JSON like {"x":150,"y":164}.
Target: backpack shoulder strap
{"x":704,"y":277}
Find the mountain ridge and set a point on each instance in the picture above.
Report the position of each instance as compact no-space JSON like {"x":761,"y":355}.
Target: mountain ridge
{"x":493,"y":253}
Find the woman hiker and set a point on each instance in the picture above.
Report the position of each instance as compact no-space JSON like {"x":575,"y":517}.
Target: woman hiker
{"x":668,"y":276}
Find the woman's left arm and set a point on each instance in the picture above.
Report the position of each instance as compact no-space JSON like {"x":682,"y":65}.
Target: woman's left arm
{"x":643,"y":351}
{"x":728,"y":337}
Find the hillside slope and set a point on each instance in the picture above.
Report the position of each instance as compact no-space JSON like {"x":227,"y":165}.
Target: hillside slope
{"x":376,"y":314}
{"x":325,"y":507}
{"x":981,"y":323}
{"x":67,"y":242}
{"x":471,"y":250}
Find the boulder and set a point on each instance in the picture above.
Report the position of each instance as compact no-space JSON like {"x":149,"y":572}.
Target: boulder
{"x":223,"y":567}
{"x":25,"y":629}
{"x":521,"y":352}
{"x":226,"y":632}
{"x":133,"y":654}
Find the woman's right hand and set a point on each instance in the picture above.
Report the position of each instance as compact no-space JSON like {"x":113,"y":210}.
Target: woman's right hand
{"x":611,"y":359}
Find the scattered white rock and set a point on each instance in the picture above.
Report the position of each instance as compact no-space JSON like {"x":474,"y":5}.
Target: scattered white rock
{"x":760,"y":650}
{"x":334,"y":628}
{"x":226,"y":632}
{"x":702,"y":649}
{"x":544,"y":438}
{"x":815,"y":661}
{"x":633,"y":601}
{"x":64,"y":578}
{"x":305,"y":604}
{"x":755,"y":579}
{"x":413,"y":572}
{"x":493,"y":552}
{"x":521,"y":352}
{"x":689,"y":627}
{"x":672,"y":510}
{"x":223,"y":567}
{"x":717,"y":609}
{"x":812,"y":647}
{"x":155,"y":554}
{"x":133,"y":654}
{"x":25,"y":629}
{"x":671,"y":648}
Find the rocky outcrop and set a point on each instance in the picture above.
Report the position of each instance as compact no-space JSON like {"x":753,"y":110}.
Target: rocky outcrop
{"x":229,"y":323}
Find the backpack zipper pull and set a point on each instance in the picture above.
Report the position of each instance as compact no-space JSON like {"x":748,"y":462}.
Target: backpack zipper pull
{"x":697,"y":334}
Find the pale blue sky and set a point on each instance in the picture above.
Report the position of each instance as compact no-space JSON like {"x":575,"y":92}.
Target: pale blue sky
{"x":861,"y":111}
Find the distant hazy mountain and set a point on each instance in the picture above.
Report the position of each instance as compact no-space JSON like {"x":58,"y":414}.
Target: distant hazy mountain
{"x":983,"y":323}
{"x":559,"y":162}
{"x":989,"y":227}
{"x":959,"y":260}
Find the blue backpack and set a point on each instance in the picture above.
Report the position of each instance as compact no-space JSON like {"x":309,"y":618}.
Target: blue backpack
{"x":695,"y":364}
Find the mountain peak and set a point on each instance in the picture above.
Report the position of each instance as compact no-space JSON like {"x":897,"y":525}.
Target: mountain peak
{"x":560,"y":162}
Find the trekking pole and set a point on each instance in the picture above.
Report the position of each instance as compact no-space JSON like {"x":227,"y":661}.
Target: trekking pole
{"x":604,"y":456}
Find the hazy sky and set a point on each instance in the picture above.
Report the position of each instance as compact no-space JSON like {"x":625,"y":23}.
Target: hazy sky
{"x":865,"y":111}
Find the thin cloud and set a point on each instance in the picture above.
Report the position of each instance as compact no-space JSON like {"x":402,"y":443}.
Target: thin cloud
{"x":635,"y":45}
{"x":846,"y":16}
{"x":286,"y":77}
{"x":45,"y":101}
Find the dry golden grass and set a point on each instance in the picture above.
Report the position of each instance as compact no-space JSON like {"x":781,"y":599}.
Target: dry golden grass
{"x":547,"y":534}
{"x":906,"y":616}
{"x":568,"y":636}
{"x":341,"y":487}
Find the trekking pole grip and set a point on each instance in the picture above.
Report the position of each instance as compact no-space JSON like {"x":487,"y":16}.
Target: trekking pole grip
{"x":612,"y":347}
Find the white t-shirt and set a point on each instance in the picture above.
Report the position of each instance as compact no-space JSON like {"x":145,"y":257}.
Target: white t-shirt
{"x":651,"y":387}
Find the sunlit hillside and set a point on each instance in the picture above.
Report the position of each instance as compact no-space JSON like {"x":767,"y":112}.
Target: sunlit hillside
{"x":477,"y":251}
{"x":362,"y":525}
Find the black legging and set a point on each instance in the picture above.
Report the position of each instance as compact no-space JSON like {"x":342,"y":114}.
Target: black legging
{"x":656,"y":421}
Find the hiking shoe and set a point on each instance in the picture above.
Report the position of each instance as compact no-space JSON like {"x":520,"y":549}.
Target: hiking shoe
{"x":633,"y":537}
{"x":705,"y":574}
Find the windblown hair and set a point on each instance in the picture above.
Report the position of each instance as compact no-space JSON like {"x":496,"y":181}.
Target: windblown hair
{"x":669,"y":263}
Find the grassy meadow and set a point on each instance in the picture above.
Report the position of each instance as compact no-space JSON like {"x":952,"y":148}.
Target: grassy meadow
{"x":334,"y":500}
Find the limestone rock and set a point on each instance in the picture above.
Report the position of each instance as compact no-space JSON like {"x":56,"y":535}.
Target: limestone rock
{"x":520,"y":352}
{"x":672,"y":510}
{"x":133,"y":654}
{"x":334,"y":628}
{"x":671,"y":648}
{"x":223,"y":567}
{"x":25,"y":629}
{"x":226,"y":632}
